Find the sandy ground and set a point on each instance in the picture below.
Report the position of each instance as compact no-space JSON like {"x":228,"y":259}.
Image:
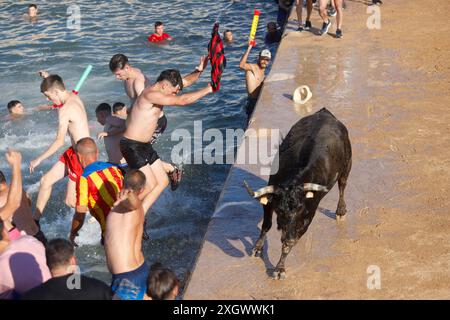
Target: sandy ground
{"x":391,"y":87}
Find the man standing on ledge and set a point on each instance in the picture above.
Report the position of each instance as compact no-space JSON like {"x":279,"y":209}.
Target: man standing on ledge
{"x":254,"y":75}
{"x":136,"y":144}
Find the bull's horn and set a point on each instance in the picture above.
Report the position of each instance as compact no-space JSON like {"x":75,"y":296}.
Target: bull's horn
{"x":249,"y":190}
{"x":314,"y":187}
{"x":263,"y":191}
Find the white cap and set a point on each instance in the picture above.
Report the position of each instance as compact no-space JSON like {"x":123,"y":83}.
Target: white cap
{"x":265,"y":54}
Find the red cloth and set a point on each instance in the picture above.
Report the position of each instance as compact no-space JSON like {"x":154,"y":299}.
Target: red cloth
{"x":155,"y":38}
{"x":74,"y":168}
{"x":216,"y":55}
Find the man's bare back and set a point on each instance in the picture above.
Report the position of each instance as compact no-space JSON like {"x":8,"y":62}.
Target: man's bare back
{"x":254,"y":80}
{"x":123,"y":236}
{"x":74,"y":112}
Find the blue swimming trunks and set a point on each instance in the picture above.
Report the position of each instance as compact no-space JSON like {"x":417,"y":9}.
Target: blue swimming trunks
{"x":131,"y":285}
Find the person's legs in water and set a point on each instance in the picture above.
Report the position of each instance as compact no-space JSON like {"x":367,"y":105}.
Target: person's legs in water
{"x":323,"y":14}
{"x":56,"y":173}
{"x":339,"y":17}
{"x":71,"y":194}
{"x":160,"y":181}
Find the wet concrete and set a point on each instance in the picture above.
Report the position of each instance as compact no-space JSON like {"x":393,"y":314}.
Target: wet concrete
{"x":390,"y":87}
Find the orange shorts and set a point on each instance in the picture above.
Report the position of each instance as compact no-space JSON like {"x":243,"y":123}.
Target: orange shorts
{"x":74,"y":168}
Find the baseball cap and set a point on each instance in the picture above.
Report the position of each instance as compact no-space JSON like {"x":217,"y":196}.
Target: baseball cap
{"x":265,"y":54}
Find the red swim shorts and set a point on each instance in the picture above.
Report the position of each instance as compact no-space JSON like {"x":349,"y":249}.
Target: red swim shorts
{"x":74,"y":168}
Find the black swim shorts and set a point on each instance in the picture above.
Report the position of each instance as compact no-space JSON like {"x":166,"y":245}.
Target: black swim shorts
{"x":137,"y":154}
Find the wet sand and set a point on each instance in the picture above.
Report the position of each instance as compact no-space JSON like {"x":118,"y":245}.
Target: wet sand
{"x":391,"y":88}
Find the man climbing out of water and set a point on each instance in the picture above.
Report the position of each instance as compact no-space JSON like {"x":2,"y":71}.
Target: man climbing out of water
{"x":254,"y":75}
{"x":97,"y":188}
{"x":134,"y":83}
{"x":136,"y":143}
{"x":123,"y":240}
{"x":72,"y":119}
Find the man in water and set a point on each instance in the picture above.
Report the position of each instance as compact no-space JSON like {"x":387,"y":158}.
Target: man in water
{"x":273,"y":34}
{"x":32,"y":13}
{"x":159,"y":34}
{"x":142,"y":122}
{"x":97,"y":188}
{"x":123,"y":240}
{"x":254,"y":75}
{"x":162,"y":284}
{"x":15,"y":205}
{"x":228,"y":36}
{"x":113,"y":130}
{"x":17,"y":110}
{"x":72,"y":119}
{"x":119,"y":110}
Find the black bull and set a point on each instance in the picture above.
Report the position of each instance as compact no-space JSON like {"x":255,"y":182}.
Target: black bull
{"x":314,"y":155}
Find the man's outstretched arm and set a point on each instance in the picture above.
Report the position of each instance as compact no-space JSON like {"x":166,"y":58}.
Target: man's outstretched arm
{"x":14,"y":199}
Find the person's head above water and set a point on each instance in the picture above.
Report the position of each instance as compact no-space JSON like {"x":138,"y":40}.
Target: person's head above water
{"x":32,"y":10}
{"x":60,"y":255}
{"x":15,"y":108}
{"x":119,"y":109}
{"x":159,"y":28}
{"x":162,"y":283}
{"x":264,"y":58}
{"x":53,"y":88}
{"x":228,"y":36}
{"x":102,"y":111}
{"x":87,"y":151}
{"x":134,"y":181}
{"x":272,"y":27}
{"x":120,"y":66}
{"x":170,"y":81}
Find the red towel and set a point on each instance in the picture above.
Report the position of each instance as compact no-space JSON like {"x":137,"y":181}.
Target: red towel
{"x":216,"y":56}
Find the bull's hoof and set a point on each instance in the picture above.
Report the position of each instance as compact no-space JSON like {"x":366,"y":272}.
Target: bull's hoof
{"x":279,"y":274}
{"x":256,"y":252}
{"x":340,"y":218}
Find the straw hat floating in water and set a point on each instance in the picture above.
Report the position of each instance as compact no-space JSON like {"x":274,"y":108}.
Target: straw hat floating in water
{"x":302,"y":91}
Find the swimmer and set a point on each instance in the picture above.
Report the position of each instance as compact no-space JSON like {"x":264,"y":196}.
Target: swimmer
{"x":228,"y":36}
{"x":159,"y":34}
{"x":16,"y":109}
{"x":113,"y":130}
{"x":142,"y":122}
{"x":32,"y":13}
{"x":162,"y":284}
{"x":73,"y":120}
{"x":273,"y":34}
{"x":123,"y":240}
{"x":254,"y":75}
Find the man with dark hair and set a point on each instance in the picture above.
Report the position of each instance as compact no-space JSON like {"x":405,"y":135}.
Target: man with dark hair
{"x":228,"y":36}
{"x":67,"y":283}
{"x":15,"y":205}
{"x":72,"y":119}
{"x":32,"y":12}
{"x":123,"y":240}
{"x":113,"y":129}
{"x":97,"y":188}
{"x":273,"y":34}
{"x":119,"y":109}
{"x":134,"y":80}
{"x":22,"y":264}
{"x":162,"y":284}
{"x":136,"y":144}
{"x":159,"y":34}
{"x":15,"y":108}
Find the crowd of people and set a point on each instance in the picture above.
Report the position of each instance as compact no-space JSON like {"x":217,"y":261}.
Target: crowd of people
{"x":118,"y":192}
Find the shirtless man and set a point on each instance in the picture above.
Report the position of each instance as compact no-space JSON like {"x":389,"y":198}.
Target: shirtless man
{"x":15,"y":205}
{"x":73,"y":120}
{"x":113,"y":129}
{"x":254,"y":75}
{"x":123,"y":240}
{"x":16,"y":110}
{"x":136,"y":144}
